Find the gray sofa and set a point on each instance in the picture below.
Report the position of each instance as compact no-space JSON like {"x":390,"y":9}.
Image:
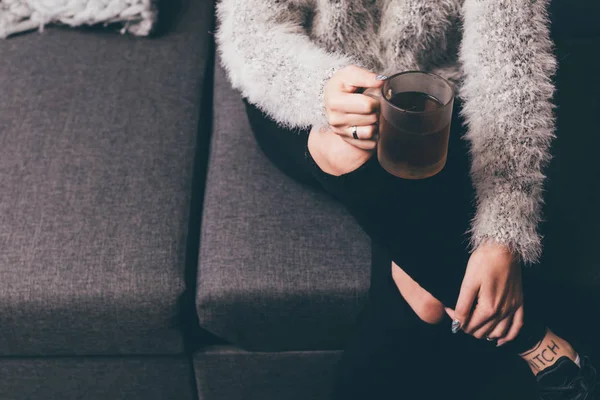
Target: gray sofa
{"x":148,"y":250}
{"x":98,"y":140}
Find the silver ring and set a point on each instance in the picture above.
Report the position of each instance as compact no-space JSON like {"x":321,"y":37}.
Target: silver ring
{"x":489,"y":339}
{"x":354,"y":132}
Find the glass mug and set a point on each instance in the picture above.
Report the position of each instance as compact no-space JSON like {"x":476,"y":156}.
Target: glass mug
{"x":414,"y":127}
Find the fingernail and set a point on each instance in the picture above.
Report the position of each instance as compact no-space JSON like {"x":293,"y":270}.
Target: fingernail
{"x":381,"y":77}
{"x":455,"y":326}
{"x":500,"y":343}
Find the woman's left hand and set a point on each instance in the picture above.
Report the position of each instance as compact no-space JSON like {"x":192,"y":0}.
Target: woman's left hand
{"x":490,"y":303}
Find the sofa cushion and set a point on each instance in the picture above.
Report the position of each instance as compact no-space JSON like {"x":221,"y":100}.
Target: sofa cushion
{"x":98,"y":134}
{"x":224,"y":372}
{"x":97,"y":378}
{"x":281,"y":266}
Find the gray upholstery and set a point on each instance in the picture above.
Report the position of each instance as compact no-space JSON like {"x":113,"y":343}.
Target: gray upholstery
{"x":97,"y":142}
{"x":98,"y":378}
{"x":281,"y":267}
{"x":229,"y":373}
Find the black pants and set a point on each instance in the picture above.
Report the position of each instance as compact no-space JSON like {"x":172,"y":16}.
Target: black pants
{"x":422,"y":223}
{"x":419,"y":224}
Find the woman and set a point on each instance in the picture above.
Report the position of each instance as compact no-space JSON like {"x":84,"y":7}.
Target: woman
{"x":302,"y":65}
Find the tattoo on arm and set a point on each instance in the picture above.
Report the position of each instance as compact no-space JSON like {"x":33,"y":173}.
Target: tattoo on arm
{"x":541,"y":356}
{"x":537,"y":346}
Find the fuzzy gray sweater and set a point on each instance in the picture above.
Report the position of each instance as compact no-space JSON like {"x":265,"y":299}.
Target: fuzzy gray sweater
{"x":280,"y":53}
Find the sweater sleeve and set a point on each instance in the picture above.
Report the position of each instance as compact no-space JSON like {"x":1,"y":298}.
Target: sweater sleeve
{"x":270,"y":58}
{"x":508,"y":65}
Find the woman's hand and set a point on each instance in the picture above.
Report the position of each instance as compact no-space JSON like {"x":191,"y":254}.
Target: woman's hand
{"x":490,"y":304}
{"x":346,"y":109}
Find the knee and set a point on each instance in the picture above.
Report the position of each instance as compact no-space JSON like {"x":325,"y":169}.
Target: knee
{"x":333,"y":154}
{"x":430,"y":310}
{"x":424,"y":304}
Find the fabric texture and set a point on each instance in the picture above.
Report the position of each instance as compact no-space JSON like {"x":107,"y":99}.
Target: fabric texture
{"x":279,"y":55}
{"x":507,"y":61}
{"x":98,"y":378}
{"x":229,"y":373}
{"x":134,"y":16}
{"x":280,"y":267}
{"x":97,"y":143}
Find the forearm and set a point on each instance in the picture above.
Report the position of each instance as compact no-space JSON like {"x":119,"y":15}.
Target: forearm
{"x":508,"y":64}
{"x":271,"y":60}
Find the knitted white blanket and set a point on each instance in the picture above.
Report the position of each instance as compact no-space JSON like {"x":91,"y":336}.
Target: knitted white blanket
{"x":136,"y":16}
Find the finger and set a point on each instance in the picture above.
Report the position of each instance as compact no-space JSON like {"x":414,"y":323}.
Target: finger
{"x":450,"y":312}
{"x":354,"y":77}
{"x":374,"y":93}
{"x":365,"y":132}
{"x":353,"y":104}
{"x":485,"y":329}
{"x":482,"y":316}
{"x":501,"y":329}
{"x":515,"y":328}
{"x":493,"y":329}
{"x":343,"y":121}
{"x":361,"y":144}
{"x":362,"y":119}
{"x":362,"y":132}
{"x":464,"y":305}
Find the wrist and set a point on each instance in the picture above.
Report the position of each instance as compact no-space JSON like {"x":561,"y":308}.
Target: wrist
{"x":498,"y":252}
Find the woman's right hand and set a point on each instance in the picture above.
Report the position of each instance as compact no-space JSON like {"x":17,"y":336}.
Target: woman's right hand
{"x":346,"y":109}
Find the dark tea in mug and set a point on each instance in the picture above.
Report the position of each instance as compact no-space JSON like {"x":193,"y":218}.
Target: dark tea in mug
{"x":413,"y":154}
{"x":415,"y":125}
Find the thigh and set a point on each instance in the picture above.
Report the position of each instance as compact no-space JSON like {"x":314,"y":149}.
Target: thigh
{"x":285,"y":148}
{"x":423,"y":224}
